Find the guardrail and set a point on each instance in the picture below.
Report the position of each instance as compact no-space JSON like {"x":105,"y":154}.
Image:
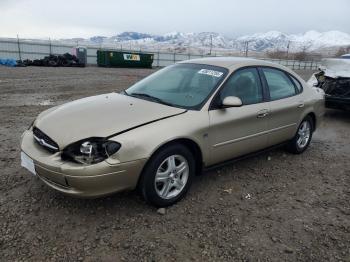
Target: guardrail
{"x":36,"y":49}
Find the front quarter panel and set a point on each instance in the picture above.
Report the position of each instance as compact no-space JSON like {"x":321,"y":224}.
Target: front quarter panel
{"x":142,"y":142}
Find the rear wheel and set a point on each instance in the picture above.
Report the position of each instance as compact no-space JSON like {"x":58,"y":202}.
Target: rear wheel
{"x":168,"y":175}
{"x":302,"y":138}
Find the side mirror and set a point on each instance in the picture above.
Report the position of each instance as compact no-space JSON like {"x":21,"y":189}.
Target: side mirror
{"x":231,"y":101}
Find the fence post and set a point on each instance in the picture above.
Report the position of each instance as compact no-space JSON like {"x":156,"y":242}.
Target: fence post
{"x":174,"y":57}
{"x":50,"y":45}
{"x":158,"y":59}
{"x":19,"y":49}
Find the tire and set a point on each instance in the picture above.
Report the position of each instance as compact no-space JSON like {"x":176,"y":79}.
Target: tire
{"x":65,"y":63}
{"x":52,"y":63}
{"x":174,"y":168}
{"x":297,"y":145}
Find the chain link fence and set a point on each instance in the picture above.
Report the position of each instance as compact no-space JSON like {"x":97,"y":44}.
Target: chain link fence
{"x":21,"y":49}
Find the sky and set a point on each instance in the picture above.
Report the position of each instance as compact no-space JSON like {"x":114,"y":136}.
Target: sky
{"x":232,"y":18}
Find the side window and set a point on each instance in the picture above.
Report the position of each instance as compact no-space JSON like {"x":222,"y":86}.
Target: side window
{"x":244,"y":84}
{"x":280,"y":85}
{"x":297,"y":84}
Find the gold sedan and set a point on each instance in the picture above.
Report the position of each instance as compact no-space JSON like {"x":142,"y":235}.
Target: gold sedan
{"x":162,"y":131}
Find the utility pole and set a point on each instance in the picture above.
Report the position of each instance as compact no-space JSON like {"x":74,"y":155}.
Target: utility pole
{"x":288,"y":48}
{"x":211,"y":44}
{"x":246,"y":48}
{"x":19,"y":49}
{"x":50,"y":45}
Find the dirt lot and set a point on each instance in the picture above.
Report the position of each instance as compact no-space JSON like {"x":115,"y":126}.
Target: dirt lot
{"x":276,"y":207}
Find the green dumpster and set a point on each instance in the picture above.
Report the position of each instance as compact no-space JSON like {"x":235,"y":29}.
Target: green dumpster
{"x":108,"y":58}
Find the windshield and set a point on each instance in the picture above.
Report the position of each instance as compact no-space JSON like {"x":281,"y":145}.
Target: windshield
{"x":181,"y":85}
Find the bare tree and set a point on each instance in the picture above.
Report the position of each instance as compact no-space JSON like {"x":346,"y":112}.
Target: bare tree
{"x":303,"y":54}
{"x":342,"y":51}
{"x":276,"y":54}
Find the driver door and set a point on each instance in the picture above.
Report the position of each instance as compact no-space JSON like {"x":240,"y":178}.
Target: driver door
{"x":236,"y":131}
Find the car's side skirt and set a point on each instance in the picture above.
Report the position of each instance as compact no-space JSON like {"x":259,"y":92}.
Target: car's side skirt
{"x":233,"y":160}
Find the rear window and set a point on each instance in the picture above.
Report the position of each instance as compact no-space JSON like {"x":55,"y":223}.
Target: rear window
{"x":279,"y":83}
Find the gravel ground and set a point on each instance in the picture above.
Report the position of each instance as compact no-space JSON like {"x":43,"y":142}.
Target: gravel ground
{"x":273,"y":207}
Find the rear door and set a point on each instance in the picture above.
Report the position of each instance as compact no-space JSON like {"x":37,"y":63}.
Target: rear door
{"x":285,"y":104}
{"x":240,"y":130}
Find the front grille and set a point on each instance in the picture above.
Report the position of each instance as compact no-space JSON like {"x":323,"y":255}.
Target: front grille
{"x":45,"y":141}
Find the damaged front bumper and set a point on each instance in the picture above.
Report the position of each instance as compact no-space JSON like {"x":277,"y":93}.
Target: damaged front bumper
{"x":334,"y":79}
{"x":337,"y":102}
{"x":337,"y":91}
{"x":86,"y":181}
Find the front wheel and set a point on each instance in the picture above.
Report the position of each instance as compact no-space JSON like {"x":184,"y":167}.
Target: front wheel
{"x":168,"y":175}
{"x":302,"y":138}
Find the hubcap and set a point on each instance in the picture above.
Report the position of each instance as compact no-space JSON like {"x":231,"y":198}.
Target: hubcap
{"x":171,"y":176}
{"x":304,"y":133}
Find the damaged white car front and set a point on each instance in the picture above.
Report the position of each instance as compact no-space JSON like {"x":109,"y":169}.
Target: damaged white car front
{"x":334,"y":79}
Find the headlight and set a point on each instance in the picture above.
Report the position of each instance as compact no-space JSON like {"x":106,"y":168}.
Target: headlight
{"x":90,"y":151}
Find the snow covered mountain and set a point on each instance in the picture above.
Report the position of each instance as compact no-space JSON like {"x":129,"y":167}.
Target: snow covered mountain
{"x":174,"y":38}
{"x":310,"y":41}
{"x":272,"y":40}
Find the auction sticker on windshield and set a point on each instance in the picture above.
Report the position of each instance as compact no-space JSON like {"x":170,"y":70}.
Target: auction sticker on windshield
{"x":210,"y":72}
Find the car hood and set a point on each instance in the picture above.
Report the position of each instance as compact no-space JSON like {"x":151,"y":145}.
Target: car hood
{"x":99,"y":116}
{"x":335,"y":68}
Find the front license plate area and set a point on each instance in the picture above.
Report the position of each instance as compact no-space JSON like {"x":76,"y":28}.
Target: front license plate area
{"x":27,"y":163}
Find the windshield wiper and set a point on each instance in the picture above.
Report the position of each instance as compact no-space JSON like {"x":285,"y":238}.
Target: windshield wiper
{"x":153,"y":98}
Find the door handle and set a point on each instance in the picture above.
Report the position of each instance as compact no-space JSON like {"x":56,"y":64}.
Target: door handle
{"x":301,"y":104}
{"x":262,"y":113}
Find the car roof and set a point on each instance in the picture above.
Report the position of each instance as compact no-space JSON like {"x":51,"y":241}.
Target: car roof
{"x":231,"y":62}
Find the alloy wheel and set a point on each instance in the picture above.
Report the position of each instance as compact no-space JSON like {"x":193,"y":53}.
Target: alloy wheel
{"x":171,"y":177}
{"x":304,"y":133}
